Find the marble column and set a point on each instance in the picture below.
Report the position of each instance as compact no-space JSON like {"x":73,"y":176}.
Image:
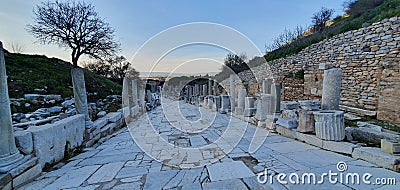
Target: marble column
{"x":126,"y":104}
{"x":225,"y":103}
{"x":135,"y":92}
{"x":142,"y":95}
{"x":78,"y":82}
{"x":240,"y":103}
{"x":275,"y":98}
{"x":263,"y":107}
{"x":329,"y":125}
{"x":196,"y":89}
{"x":9,"y":153}
{"x":249,"y":109}
{"x":232,"y":90}
{"x":331,"y":87}
{"x":216,"y":103}
{"x":215,"y":88}
{"x":266,"y":86}
{"x":210,"y":82}
{"x":204,"y":90}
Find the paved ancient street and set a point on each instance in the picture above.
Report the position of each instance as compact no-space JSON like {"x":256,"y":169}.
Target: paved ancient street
{"x":181,"y":154}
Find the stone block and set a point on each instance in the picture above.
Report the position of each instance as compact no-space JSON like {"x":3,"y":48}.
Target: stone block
{"x":113,"y":116}
{"x":286,"y":132}
{"x":310,"y":139}
{"x":340,"y":147}
{"x":74,"y":129}
{"x":289,"y":105}
{"x":239,"y":111}
{"x":108,"y":129}
{"x":5,"y":181}
{"x":310,"y":105}
{"x":357,"y":111}
{"x":390,"y":147}
{"x":24,"y":142}
{"x":248,"y":112}
{"x":325,"y":66}
{"x":48,"y":142}
{"x":293,"y":114}
{"x":365,"y":134}
{"x":306,"y":122}
{"x":27,"y":176}
{"x":99,"y":123}
{"x":377,"y":157}
{"x":287,"y":122}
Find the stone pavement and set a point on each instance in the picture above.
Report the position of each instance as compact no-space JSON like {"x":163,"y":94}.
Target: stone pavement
{"x":183,"y":156}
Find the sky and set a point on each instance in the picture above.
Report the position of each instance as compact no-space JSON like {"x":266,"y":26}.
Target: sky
{"x":185,"y":36}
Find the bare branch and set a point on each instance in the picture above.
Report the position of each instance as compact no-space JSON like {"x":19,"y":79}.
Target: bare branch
{"x":75,"y":25}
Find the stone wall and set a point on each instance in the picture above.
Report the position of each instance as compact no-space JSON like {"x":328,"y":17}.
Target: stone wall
{"x":369,"y":58}
{"x":49,"y":142}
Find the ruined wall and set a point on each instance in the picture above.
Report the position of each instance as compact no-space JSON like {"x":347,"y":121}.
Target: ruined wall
{"x":369,"y":58}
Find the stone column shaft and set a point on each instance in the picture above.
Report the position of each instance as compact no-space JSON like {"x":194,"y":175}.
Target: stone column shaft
{"x":135,"y":92}
{"x":78,"y":81}
{"x":276,"y":98}
{"x":232,"y":90}
{"x":7,"y":141}
{"x":210,"y":87}
{"x":331,"y":87}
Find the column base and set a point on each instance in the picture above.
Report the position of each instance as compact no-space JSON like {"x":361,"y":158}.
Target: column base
{"x":20,"y":172}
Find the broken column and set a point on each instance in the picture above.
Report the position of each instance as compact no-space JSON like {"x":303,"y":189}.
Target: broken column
{"x":266,"y":86}
{"x":331,"y":87}
{"x":126,"y":104}
{"x":80,"y":97}
{"x":329,"y":125}
{"x":8,"y":150}
{"x":215,"y":88}
{"x":225,"y":103}
{"x":15,"y":169}
{"x":263,"y":108}
{"x":249,"y":109}
{"x":232,"y":90}
{"x":135,"y":104}
{"x":216,"y":103}
{"x":240,"y":103}
{"x":210,"y":82}
{"x":306,"y":116}
{"x":275,"y":98}
{"x":142,"y":102}
{"x":204,"y":90}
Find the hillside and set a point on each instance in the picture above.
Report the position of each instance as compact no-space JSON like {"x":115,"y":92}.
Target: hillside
{"x":43,"y":75}
{"x":358,"y":13}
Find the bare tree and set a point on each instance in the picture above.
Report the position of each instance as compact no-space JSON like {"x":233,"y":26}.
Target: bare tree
{"x":16,"y":47}
{"x":320,"y":18}
{"x":75,"y":25}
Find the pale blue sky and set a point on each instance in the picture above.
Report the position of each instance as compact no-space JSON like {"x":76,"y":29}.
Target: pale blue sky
{"x":135,"y":22}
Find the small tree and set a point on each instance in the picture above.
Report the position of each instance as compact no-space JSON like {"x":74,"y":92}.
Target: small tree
{"x":16,"y":47}
{"x":236,"y":62}
{"x":114,"y":69}
{"x":320,"y":18}
{"x":75,"y":25}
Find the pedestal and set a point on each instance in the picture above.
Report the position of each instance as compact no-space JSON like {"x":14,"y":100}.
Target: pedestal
{"x":329,"y":125}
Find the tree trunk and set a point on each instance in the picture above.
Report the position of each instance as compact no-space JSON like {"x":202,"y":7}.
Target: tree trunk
{"x":78,"y":82}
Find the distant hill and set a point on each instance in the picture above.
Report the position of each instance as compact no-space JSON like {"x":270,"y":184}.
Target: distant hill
{"x":42,"y":75}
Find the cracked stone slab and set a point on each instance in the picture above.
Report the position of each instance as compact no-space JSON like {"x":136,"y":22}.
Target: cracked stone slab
{"x":73,"y":178}
{"x":228,"y":184}
{"x":228,"y":170}
{"x":106,"y":173}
